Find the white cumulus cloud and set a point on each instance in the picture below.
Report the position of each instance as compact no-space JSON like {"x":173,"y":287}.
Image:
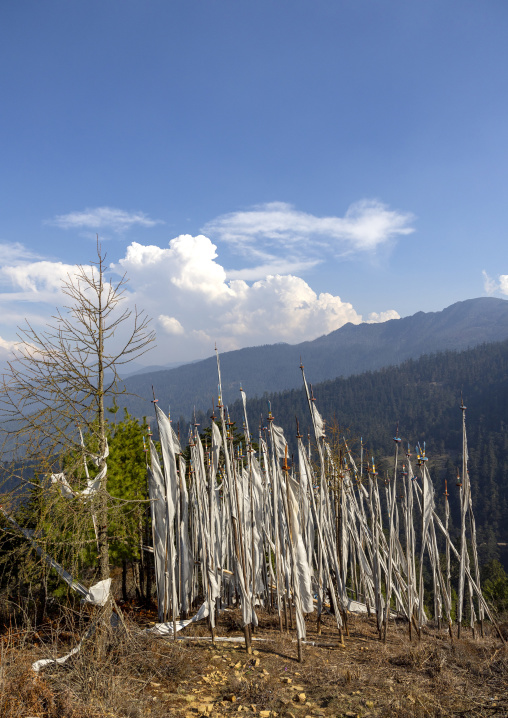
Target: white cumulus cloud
{"x":194,"y":302}
{"x":171,"y":325}
{"x":491,"y":285}
{"x":6,"y":348}
{"x":197,"y":304}
{"x":103,"y":218}
{"x":376,"y":317}
{"x":37,"y":277}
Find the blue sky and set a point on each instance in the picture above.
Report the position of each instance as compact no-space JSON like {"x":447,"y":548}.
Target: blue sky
{"x":348,"y":160}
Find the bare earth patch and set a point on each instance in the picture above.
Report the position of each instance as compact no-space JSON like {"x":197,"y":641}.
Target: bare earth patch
{"x":133,"y":676}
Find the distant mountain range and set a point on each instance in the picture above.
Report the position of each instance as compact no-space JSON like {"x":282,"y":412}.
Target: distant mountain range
{"x":352,"y":349}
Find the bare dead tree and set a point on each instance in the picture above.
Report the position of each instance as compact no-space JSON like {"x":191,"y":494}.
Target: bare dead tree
{"x":63,"y":377}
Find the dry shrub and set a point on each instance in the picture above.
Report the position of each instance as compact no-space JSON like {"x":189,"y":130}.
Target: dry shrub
{"x":115,"y":672}
{"x":261,"y":692}
{"x":112,"y":669}
{"x":404,"y":709}
{"x":24,"y":693}
{"x":421,"y":657}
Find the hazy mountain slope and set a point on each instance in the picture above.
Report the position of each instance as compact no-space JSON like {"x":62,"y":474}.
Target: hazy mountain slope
{"x":423,"y":397}
{"x":352,"y":349}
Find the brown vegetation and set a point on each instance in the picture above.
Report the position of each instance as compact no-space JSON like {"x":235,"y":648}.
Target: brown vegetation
{"x":128,"y":674}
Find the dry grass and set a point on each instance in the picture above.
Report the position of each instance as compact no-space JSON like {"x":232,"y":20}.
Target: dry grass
{"x":130,"y":675}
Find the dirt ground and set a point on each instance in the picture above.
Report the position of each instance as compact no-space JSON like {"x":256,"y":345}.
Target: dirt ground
{"x":135,"y":675}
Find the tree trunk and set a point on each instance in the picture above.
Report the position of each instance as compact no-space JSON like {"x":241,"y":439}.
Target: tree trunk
{"x":124,"y":580}
{"x":103,"y":498}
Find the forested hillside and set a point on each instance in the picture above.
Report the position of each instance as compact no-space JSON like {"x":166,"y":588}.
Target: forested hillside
{"x":350,"y":350}
{"x":423,"y":397}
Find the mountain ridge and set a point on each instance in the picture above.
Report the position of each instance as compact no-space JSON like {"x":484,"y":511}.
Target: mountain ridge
{"x":349,"y":350}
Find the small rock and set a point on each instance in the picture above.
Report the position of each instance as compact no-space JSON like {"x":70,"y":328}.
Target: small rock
{"x":255,"y":653}
{"x":369,"y":704}
{"x":256,"y":663}
{"x":287,"y":680}
{"x":231,"y":698}
{"x":264,"y":714}
{"x":300,"y":698}
{"x":265,"y":672}
{"x":155,"y":685}
{"x":238,"y":665}
{"x":190,"y":699}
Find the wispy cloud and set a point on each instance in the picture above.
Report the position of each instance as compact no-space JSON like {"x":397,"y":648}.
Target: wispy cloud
{"x":268,"y":228}
{"x":491,"y":285}
{"x":15,"y":251}
{"x":103,"y":218}
{"x":276,"y":266}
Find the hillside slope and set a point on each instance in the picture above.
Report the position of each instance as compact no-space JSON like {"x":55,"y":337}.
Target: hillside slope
{"x":352,"y":349}
{"x":423,"y":397}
